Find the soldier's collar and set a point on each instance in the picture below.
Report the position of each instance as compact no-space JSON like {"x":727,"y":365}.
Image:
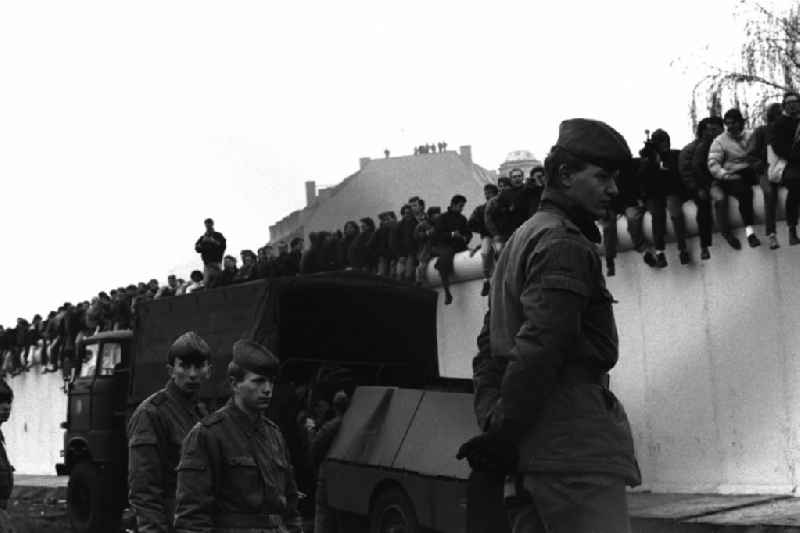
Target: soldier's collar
{"x":243,"y":417}
{"x":584,"y":222}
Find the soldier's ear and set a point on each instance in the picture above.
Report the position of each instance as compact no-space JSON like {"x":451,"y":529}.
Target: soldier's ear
{"x":564,"y":176}
{"x":170,"y":368}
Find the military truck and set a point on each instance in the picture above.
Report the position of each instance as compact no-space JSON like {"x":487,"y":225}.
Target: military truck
{"x":394,"y":455}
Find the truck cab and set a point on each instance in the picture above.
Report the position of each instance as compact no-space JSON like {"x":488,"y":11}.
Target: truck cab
{"x":95,"y":447}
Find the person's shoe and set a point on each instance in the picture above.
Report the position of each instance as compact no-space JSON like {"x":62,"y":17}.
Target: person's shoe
{"x":753,"y":241}
{"x":793,"y":239}
{"x":733,"y":241}
{"x":685,"y":258}
{"x":773,"y":241}
{"x":610,"y":269}
{"x":661,"y":260}
{"x":704,"y":253}
{"x":485,"y":289}
{"x":448,"y":298}
{"x":650,"y":259}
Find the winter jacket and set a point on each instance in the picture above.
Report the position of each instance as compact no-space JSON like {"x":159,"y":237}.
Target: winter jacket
{"x":211,"y":250}
{"x":728,"y":155}
{"x":553,"y":324}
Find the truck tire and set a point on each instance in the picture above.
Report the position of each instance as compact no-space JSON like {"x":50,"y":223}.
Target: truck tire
{"x":393,"y":512}
{"x":89,"y":501}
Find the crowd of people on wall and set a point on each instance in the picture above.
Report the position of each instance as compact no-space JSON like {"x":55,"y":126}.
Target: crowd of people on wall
{"x":724,"y":160}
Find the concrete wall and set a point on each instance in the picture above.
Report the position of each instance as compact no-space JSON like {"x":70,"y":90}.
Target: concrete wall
{"x":34,"y":438}
{"x":709,"y":368}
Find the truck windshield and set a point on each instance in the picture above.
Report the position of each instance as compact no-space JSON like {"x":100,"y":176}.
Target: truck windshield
{"x":111,"y":357}
{"x":89,"y":361}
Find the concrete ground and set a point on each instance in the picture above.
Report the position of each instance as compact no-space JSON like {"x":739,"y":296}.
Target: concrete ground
{"x":38,"y":505}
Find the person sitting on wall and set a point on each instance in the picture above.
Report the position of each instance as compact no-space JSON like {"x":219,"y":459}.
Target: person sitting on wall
{"x":664,"y":192}
{"x":229,"y":270}
{"x":248,"y":271}
{"x":731,"y":166}
{"x":450,"y":236}
{"x":423,"y":233}
{"x":309,"y":262}
{"x":477,"y":224}
{"x":697,"y":178}
{"x":349,"y":235}
{"x":360,"y":254}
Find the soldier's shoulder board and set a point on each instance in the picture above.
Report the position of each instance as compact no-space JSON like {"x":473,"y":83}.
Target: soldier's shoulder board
{"x":158,"y":398}
{"x":214,"y":418}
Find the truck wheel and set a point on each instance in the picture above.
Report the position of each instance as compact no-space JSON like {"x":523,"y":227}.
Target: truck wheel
{"x":393,"y":512}
{"x":91,"y":509}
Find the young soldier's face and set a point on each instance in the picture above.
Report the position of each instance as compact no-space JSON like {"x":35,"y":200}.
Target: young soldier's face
{"x":254,"y":391}
{"x":592,"y":189}
{"x":190,"y":374}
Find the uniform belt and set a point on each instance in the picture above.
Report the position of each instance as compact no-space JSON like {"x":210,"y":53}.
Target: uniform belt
{"x":581,"y":375}
{"x":247,"y":520}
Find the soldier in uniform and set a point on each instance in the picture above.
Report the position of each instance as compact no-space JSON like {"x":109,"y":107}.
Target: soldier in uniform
{"x":157,"y":429}
{"x":550,"y":423}
{"x":234,"y":474}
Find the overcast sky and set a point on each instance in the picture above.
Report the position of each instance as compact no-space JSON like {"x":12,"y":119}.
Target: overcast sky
{"x":124,"y":125}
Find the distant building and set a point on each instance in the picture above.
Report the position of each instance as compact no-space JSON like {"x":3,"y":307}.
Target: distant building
{"x":522,"y":159}
{"x":385,"y":185}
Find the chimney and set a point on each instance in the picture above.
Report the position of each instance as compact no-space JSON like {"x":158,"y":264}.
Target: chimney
{"x":311,"y":192}
{"x":466,"y":154}
{"x":363,"y":162}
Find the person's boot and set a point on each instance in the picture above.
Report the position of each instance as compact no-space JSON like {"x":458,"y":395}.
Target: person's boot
{"x":661,"y":259}
{"x":793,"y":239}
{"x":732,"y":241}
{"x":448,"y":298}
{"x":650,"y":258}
{"x":684,"y":256}
{"x":753,"y":241}
{"x":486,"y":287}
{"x":704,"y":253}
{"x":610,"y":270}
{"x":773,"y":241}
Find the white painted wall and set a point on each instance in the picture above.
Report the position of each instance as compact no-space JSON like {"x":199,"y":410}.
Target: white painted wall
{"x":709,"y":368}
{"x":34,"y":438}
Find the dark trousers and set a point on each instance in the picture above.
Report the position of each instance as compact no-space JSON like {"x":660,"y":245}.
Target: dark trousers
{"x":486,"y":512}
{"x":610,"y":235}
{"x":740,"y":189}
{"x":569,"y":503}
{"x":792,"y":202}
{"x":635,"y":216}
{"x":704,"y":218}
{"x":658,"y":206}
{"x":770,"y":191}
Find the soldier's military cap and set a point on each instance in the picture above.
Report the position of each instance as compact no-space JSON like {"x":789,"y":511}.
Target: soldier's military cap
{"x":6,"y":394}
{"x":189,"y":346}
{"x":594,"y":142}
{"x":250,"y":355}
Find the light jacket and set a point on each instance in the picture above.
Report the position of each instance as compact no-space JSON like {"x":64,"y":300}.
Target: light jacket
{"x":728,"y":155}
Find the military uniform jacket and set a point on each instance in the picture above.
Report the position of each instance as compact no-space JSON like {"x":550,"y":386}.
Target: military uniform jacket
{"x":155,"y":433}
{"x":235,"y":475}
{"x":6,"y":474}
{"x":552,"y":325}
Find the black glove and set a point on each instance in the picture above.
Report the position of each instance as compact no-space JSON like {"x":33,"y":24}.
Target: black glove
{"x":490,"y":452}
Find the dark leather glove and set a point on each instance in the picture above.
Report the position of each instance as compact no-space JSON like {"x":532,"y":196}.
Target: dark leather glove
{"x":490,"y":452}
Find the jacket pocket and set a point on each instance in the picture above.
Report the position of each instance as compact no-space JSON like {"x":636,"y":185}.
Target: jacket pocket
{"x":243,"y":481}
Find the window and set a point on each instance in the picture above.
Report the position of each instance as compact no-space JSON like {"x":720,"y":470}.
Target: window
{"x":89,"y":360}
{"x":112,"y":356}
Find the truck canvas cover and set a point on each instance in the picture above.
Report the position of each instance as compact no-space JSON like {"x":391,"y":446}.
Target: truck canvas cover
{"x":348,"y":317}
